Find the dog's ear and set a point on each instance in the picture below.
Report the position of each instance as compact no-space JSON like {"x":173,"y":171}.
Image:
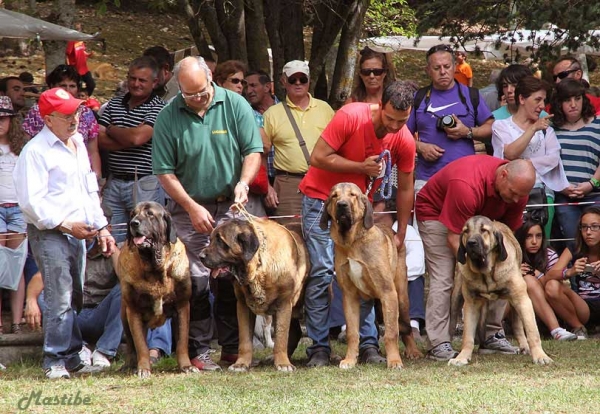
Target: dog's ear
{"x":461,"y":256}
{"x":502,"y":253}
{"x":325,"y":217}
{"x":368,"y":212}
{"x":249,"y":244}
{"x":170,"y":231}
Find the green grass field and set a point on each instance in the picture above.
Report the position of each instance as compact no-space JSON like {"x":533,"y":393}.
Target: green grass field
{"x":491,"y":384}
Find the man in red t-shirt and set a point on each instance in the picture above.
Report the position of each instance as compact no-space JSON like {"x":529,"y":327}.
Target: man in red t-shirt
{"x":77,"y":57}
{"x":469,"y":186}
{"x":347,"y":151}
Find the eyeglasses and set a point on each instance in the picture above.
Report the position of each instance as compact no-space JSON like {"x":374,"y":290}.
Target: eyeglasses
{"x":199,"y":96}
{"x":376,"y":72}
{"x":564,"y":74}
{"x":439,"y":48}
{"x":292,"y":80}
{"x":235,"y":81}
{"x":69,"y":118}
{"x":593,"y":227}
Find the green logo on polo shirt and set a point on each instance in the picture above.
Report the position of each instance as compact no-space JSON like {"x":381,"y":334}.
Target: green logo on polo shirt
{"x":219,"y":131}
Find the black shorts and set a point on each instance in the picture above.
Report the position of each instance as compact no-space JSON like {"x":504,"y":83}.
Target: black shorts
{"x":594,"y":305}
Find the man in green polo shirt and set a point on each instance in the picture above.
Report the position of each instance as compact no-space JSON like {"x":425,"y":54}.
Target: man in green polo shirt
{"x":206,"y":149}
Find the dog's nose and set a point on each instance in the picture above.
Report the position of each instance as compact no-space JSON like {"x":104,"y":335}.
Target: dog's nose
{"x":342,"y":203}
{"x":472,"y":242}
{"x":135,"y":223}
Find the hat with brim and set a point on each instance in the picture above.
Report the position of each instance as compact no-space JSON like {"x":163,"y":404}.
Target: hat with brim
{"x":58,"y":100}
{"x":296,"y":66}
{"x":6,"y":108}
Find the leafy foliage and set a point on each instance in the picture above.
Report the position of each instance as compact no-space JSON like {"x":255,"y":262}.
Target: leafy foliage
{"x":390,"y":17}
{"x":570,"y":21}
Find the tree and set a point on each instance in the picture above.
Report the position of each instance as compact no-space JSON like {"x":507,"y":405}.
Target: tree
{"x":572,"y":21}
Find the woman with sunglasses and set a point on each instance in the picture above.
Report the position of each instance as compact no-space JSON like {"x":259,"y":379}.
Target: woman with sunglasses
{"x":538,"y":259}
{"x":580,"y":306}
{"x":527,"y":135}
{"x":67,"y":78}
{"x":373,"y":76}
{"x":578,"y":132}
{"x":230,"y":75}
{"x":12,"y":224}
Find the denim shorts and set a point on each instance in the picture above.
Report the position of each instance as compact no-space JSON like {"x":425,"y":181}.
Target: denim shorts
{"x":11,"y":219}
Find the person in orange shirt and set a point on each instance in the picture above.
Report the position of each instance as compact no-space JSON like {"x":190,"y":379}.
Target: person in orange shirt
{"x":77,"y":57}
{"x":464,"y":73}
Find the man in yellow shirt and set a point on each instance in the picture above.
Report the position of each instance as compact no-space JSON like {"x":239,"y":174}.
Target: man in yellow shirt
{"x":311,"y":116}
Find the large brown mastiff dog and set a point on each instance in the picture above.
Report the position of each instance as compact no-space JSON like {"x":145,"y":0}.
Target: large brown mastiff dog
{"x":270,"y":264}
{"x":155,"y":284}
{"x":489,"y":266}
{"x":368,"y":265}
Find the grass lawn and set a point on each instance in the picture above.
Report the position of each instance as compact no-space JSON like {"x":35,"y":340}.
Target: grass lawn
{"x":490,"y":384}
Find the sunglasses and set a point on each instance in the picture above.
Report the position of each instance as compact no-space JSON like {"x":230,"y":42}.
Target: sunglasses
{"x":564,"y":74}
{"x":439,"y":48}
{"x":376,"y":72}
{"x":292,"y":80}
{"x":235,"y":81}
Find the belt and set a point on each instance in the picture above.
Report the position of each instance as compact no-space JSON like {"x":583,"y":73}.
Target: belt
{"x":9,"y":205}
{"x":128,"y":177}
{"x":281,"y":172}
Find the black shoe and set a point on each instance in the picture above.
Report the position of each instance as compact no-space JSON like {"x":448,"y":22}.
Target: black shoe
{"x":318,"y":359}
{"x":371,"y":355}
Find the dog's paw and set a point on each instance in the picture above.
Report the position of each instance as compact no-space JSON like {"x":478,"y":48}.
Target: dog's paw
{"x":542,"y":359}
{"x":238,"y":368}
{"x":189,"y":369}
{"x":143,"y":373}
{"x":413,"y":353}
{"x":395,"y":364}
{"x":458,"y":362}
{"x":286,"y":368}
{"x":347,"y":364}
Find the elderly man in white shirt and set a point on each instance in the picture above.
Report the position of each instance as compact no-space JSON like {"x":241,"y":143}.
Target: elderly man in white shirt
{"x":58,"y":195}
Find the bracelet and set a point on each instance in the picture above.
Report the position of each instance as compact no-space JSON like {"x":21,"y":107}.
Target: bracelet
{"x":564,"y":274}
{"x":246,"y":187}
{"x":595,"y":183}
{"x":541,"y":275}
{"x":104,"y":228}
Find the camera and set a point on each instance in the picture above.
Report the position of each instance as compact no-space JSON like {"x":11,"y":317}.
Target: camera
{"x":588,"y":271}
{"x":447,"y":121}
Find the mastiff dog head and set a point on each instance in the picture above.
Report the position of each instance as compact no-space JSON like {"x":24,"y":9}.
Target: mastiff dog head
{"x":481,"y":244}
{"x":347,"y":206}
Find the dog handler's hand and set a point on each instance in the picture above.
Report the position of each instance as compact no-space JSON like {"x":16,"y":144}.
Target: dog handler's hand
{"x":33,"y":315}
{"x":79,"y":230}
{"x":201,"y":219}
{"x":107,"y":243}
{"x":240,"y":192}
{"x":271,"y":199}
{"x":371,"y":167}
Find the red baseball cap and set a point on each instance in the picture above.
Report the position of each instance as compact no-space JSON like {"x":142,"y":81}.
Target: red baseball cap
{"x":59,"y":100}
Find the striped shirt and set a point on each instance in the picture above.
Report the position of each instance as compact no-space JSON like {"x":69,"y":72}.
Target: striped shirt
{"x":580,"y":151}
{"x":117,"y":113}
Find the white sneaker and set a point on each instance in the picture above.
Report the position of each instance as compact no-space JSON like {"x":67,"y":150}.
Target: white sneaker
{"x":56,"y":372}
{"x":100,"y":360}
{"x":85,"y":355}
{"x":561,"y":334}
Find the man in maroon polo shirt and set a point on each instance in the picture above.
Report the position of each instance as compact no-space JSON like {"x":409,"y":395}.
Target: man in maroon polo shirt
{"x":469,"y":186}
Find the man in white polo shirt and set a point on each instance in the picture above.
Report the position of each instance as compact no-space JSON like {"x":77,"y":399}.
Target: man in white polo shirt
{"x":58,"y":195}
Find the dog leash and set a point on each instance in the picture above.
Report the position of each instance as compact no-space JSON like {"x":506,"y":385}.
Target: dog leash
{"x":386,"y":184}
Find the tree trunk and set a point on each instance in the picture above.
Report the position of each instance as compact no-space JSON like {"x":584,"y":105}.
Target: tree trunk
{"x":193,"y":23}
{"x":208,"y":14}
{"x":343,"y":75}
{"x":62,"y":14}
{"x":231,"y":16}
{"x":256,"y":36}
{"x":291,"y":30}
{"x":329,"y":20}
{"x":272,"y":12}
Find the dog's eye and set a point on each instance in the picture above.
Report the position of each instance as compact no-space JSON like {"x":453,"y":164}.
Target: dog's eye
{"x":150,"y":213}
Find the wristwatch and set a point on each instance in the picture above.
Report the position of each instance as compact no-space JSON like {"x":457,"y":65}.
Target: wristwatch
{"x":470,"y":134}
{"x":243,"y":184}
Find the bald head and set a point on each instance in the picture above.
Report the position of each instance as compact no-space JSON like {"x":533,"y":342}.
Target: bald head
{"x":515,"y":180}
{"x":192,"y":66}
{"x":194,"y":80}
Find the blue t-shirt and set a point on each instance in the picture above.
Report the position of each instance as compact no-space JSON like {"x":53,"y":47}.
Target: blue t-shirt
{"x":423,"y":120}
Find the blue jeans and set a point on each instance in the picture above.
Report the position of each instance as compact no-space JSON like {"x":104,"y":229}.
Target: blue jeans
{"x":11,"y":219}
{"x":160,"y":338}
{"x":118,"y":200}
{"x":416,"y":298}
{"x":102,"y":325}
{"x":316,"y":299}
{"x":61,"y":260}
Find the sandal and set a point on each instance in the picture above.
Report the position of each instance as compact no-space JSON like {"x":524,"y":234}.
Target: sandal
{"x":15,"y":328}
